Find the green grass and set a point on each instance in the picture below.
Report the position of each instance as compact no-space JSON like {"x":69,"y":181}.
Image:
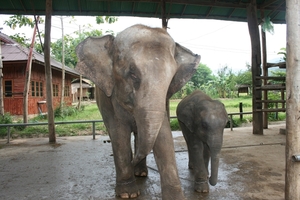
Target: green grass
{"x":90,"y":112}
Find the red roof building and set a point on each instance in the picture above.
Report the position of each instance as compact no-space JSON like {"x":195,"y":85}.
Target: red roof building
{"x":14,"y":58}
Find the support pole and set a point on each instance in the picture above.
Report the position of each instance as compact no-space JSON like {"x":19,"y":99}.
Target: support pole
{"x":265,"y":73}
{"x":292,"y":176}
{"x":164,"y":16}
{"x":49,"y":96}
{"x":1,"y":84}
{"x":255,"y":67}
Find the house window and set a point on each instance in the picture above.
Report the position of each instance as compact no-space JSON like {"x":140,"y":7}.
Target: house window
{"x":55,"y":90}
{"x":36,"y":89}
{"x":67,"y":91}
{"x":8,"y":88}
{"x":41,"y":89}
{"x":32,"y":89}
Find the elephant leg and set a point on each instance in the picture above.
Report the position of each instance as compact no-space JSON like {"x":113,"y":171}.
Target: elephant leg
{"x":187,"y":134}
{"x":165,"y":159}
{"x":206,"y":156}
{"x":125,"y":180}
{"x":201,"y":173}
{"x":141,"y":168}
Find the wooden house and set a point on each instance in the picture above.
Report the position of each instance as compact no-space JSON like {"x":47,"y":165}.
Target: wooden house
{"x":14,"y":58}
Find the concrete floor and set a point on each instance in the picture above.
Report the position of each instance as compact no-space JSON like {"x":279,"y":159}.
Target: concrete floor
{"x":251,"y":167}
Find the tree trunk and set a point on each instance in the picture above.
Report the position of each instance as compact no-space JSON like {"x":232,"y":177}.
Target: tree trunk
{"x":51,"y":124}
{"x":292,"y":177}
{"x":1,"y":86}
{"x":28,"y":75}
{"x":255,"y":67}
{"x":80,"y":93}
{"x":62,"y":66}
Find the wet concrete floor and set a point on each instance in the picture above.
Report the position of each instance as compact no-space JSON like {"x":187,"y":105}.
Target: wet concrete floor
{"x":251,"y":167}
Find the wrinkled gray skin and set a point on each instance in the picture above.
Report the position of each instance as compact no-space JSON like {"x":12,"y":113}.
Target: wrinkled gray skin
{"x":202,"y":121}
{"x":135,"y":72}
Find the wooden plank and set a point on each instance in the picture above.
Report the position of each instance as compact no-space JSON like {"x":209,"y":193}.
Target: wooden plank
{"x":271,"y":110}
{"x":271,"y":78}
{"x":271,"y":101}
{"x":270,"y":87}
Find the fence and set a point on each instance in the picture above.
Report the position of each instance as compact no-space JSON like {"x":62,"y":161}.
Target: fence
{"x":46,"y":123}
{"x":97,"y":121}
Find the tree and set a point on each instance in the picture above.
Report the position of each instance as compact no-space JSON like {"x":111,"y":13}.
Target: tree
{"x":282,"y":52}
{"x":19,"y":21}
{"x":202,"y":76}
{"x":13,"y":22}
{"x":71,"y":42}
{"x":70,"y":46}
{"x":244,"y":77}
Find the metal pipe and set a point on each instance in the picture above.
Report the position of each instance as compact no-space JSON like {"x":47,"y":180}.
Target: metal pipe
{"x":93,"y":130}
{"x":296,"y":158}
{"x":8,"y":134}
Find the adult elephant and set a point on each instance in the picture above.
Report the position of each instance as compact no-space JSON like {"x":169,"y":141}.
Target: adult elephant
{"x":135,"y":72}
{"x":202,"y":121}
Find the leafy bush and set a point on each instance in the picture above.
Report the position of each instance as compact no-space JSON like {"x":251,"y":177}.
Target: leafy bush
{"x":236,"y":122}
{"x":62,"y":112}
{"x":19,"y":128}
{"x":5,"y":119}
{"x":174,"y":125}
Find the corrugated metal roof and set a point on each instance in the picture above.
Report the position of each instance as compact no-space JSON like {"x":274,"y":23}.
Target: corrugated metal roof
{"x":234,"y":10}
{"x":13,"y":52}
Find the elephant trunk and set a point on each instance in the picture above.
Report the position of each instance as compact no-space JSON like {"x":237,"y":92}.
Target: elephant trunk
{"x":214,"y":169}
{"x":148,"y":123}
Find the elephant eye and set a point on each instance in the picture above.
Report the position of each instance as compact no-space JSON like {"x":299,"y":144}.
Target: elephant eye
{"x":204,"y":124}
{"x":133,"y":75}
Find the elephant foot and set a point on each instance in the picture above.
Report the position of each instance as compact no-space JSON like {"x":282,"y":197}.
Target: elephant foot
{"x":141,"y":169}
{"x":172,"y":193}
{"x":127,"y":189}
{"x":201,"y":186}
{"x":141,"y":173}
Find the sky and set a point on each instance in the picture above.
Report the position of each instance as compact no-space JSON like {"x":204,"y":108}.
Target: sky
{"x":220,"y":43}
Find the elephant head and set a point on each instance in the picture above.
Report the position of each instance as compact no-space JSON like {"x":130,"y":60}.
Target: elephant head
{"x":138,"y":69}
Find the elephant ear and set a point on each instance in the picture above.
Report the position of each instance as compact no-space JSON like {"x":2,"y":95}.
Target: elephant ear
{"x":184,"y":114}
{"x":95,"y":61}
{"x":187,"y":63}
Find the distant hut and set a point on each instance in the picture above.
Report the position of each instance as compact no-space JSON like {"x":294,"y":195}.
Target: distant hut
{"x":88,"y":90}
{"x":243,"y":89}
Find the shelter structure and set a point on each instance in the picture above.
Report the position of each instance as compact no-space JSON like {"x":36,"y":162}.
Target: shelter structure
{"x":251,"y":11}
{"x":88,"y":89}
{"x":15,"y":58}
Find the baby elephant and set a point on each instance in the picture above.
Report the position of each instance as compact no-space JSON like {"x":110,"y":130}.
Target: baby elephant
{"x":202,"y":121}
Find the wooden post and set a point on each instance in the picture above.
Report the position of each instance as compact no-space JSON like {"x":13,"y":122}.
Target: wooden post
{"x":63,"y":65}
{"x":292,"y":176}
{"x":265,"y":73}
{"x":241,"y":110}
{"x":255,"y":67}
{"x":165,"y":26}
{"x":80,"y":93}
{"x":163,"y":15}
{"x":1,"y":85}
{"x":51,"y":124}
